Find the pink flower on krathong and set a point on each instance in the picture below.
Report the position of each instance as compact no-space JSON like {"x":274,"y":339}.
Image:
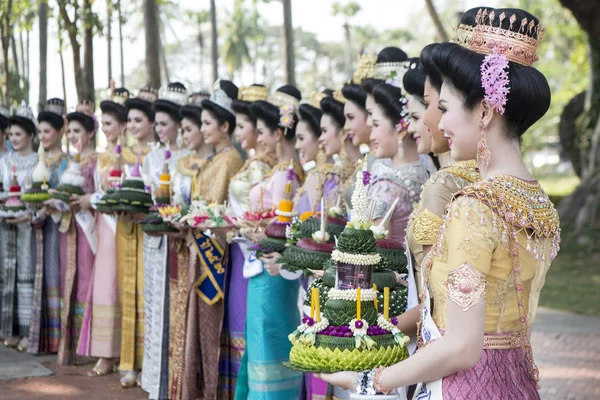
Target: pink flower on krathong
{"x":495,"y":80}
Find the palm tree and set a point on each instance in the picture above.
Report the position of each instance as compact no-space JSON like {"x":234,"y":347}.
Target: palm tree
{"x":43,"y":38}
{"x":441,"y":31}
{"x":288,"y":43}
{"x":239,"y":28}
{"x":121,"y":22}
{"x":109,"y":11}
{"x":347,"y":11}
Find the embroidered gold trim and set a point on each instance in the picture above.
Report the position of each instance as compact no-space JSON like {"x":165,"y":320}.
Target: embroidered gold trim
{"x":465,"y":169}
{"x":130,"y":157}
{"x":426,"y":228}
{"x":466,"y":286}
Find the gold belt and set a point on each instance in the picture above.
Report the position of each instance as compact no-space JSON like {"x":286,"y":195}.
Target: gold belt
{"x":499,"y":341}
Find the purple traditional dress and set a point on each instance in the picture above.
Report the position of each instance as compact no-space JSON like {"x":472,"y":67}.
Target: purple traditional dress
{"x":389,"y":183}
{"x":498,"y":239}
{"x":78,"y":249}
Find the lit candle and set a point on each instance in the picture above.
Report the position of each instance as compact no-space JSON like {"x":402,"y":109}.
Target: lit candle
{"x":375,"y":301}
{"x":339,"y":200}
{"x":312,"y":303}
{"x":358,"y":304}
{"x":317,"y":304}
{"x":386,"y":303}
{"x":323,"y":217}
{"x":195,"y":186}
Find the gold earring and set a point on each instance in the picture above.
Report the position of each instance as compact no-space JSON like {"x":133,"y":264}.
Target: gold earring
{"x":483,"y":152}
{"x":321,"y":156}
{"x":400,"y":148}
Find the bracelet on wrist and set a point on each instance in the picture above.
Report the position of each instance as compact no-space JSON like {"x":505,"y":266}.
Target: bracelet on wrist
{"x":377,"y":382}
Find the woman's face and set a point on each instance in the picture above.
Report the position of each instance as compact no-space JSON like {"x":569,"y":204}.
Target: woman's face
{"x":139,"y":125}
{"x":332,"y":138}
{"x":166,"y":127}
{"x":460,"y":126}
{"x":81,"y":137}
{"x":431,"y":119}
{"x":49,"y":137}
{"x":356,"y":124}
{"x":19,"y":139}
{"x":213,"y":133}
{"x":246,"y":132}
{"x":416,"y":127}
{"x":267,"y":138}
{"x":112,"y":127}
{"x":384,"y":135}
{"x":307,"y":143}
{"x":370,"y":105}
{"x":192,"y":135}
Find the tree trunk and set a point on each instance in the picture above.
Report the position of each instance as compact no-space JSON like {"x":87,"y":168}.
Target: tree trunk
{"x":213,"y":41}
{"x":27,"y":34}
{"x":5,"y":34}
{"x":152,"y":35}
{"x":88,"y":52}
{"x":109,"y":9}
{"x":23,"y":62}
{"x":288,"y":43}
{"x":71,"y":28}
{"x":348,"y":51}
{"x":61,"y":46}
{"x":582,"y":207}
{"x":437,"y":22}
{"x":201,"y":45}
{"x":163,"y":58}
{"x":15,"y":56}
{"x":122,"y":53}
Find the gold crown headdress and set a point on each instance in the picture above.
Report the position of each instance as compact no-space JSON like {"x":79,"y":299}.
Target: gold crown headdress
{"x":315,"y":99}
{"x":174,"y":94}
{"x":366,"y":67}
{"x":253,"y":93}
{"x":279,"y":99}
{"x":338,"y":96}
{"x":148,"y":93}
{"x":484,"y":37}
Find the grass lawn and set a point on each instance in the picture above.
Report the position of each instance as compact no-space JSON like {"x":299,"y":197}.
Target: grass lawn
{"x":573,"y":281}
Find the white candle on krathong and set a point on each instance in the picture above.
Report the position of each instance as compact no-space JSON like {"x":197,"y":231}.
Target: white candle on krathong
{"x":323,"y":217}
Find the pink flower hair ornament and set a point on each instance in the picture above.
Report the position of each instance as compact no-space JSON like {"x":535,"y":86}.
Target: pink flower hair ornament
{"x":286,"y":119}
{"x":495,"y":80}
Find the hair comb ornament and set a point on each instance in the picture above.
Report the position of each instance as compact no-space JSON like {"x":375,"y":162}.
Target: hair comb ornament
{"x":196,"y":98}
{"x":280,"y":98}
{"x":25,"y":111}
{"x":253,"y":93}
{"x":394,"y":70}
{"x":495,"y":80}
{"x":365,"y":68}
{"x":220,"y":97}
{"x":119,"y":95}
{"x":148,"y":94}
{"x":338,"y":96}
{"x":56,"y":106}
{"x":518,"y":47}
{"x":175,"y":93}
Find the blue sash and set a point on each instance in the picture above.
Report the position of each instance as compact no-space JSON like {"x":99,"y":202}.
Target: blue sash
{"x":212,"y":280}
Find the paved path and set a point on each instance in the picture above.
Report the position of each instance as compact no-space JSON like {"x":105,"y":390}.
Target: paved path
{"x":566,"y":349}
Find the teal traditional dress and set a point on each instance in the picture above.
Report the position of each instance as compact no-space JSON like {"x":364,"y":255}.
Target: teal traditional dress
{"x":272,"y":314}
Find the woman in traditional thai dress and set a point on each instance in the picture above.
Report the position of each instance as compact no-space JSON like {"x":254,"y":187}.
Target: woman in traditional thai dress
{"x":272,"y":311}
{"x":44,"y":335}
{"x":101,"y":330}
{"x":255,"y":168}
{"x":206,"y":307}
{"x":398,"y":184}
{"x":78,"y":243}
{"x":130,"y":239}
{"x":156,"y":246}
{"x":184,"y":182}
{"x":16,"y":267}
{"x":499,"y":235}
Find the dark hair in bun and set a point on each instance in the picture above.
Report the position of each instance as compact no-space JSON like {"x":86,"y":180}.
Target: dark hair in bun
{"x":414,"y":79}
{"x":334,"y":109}
{"x":529,"y":97}
{"x":222,"y":115}
{"x":312,"y":116}
{"x":431,"y":70}
{"x":388,"y":54}
{"x":388,"y":98}
{"x":85,"y":120}
{"x":291,"y":90}
{"x":269,"y":114}
{"x":356,"y":94}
